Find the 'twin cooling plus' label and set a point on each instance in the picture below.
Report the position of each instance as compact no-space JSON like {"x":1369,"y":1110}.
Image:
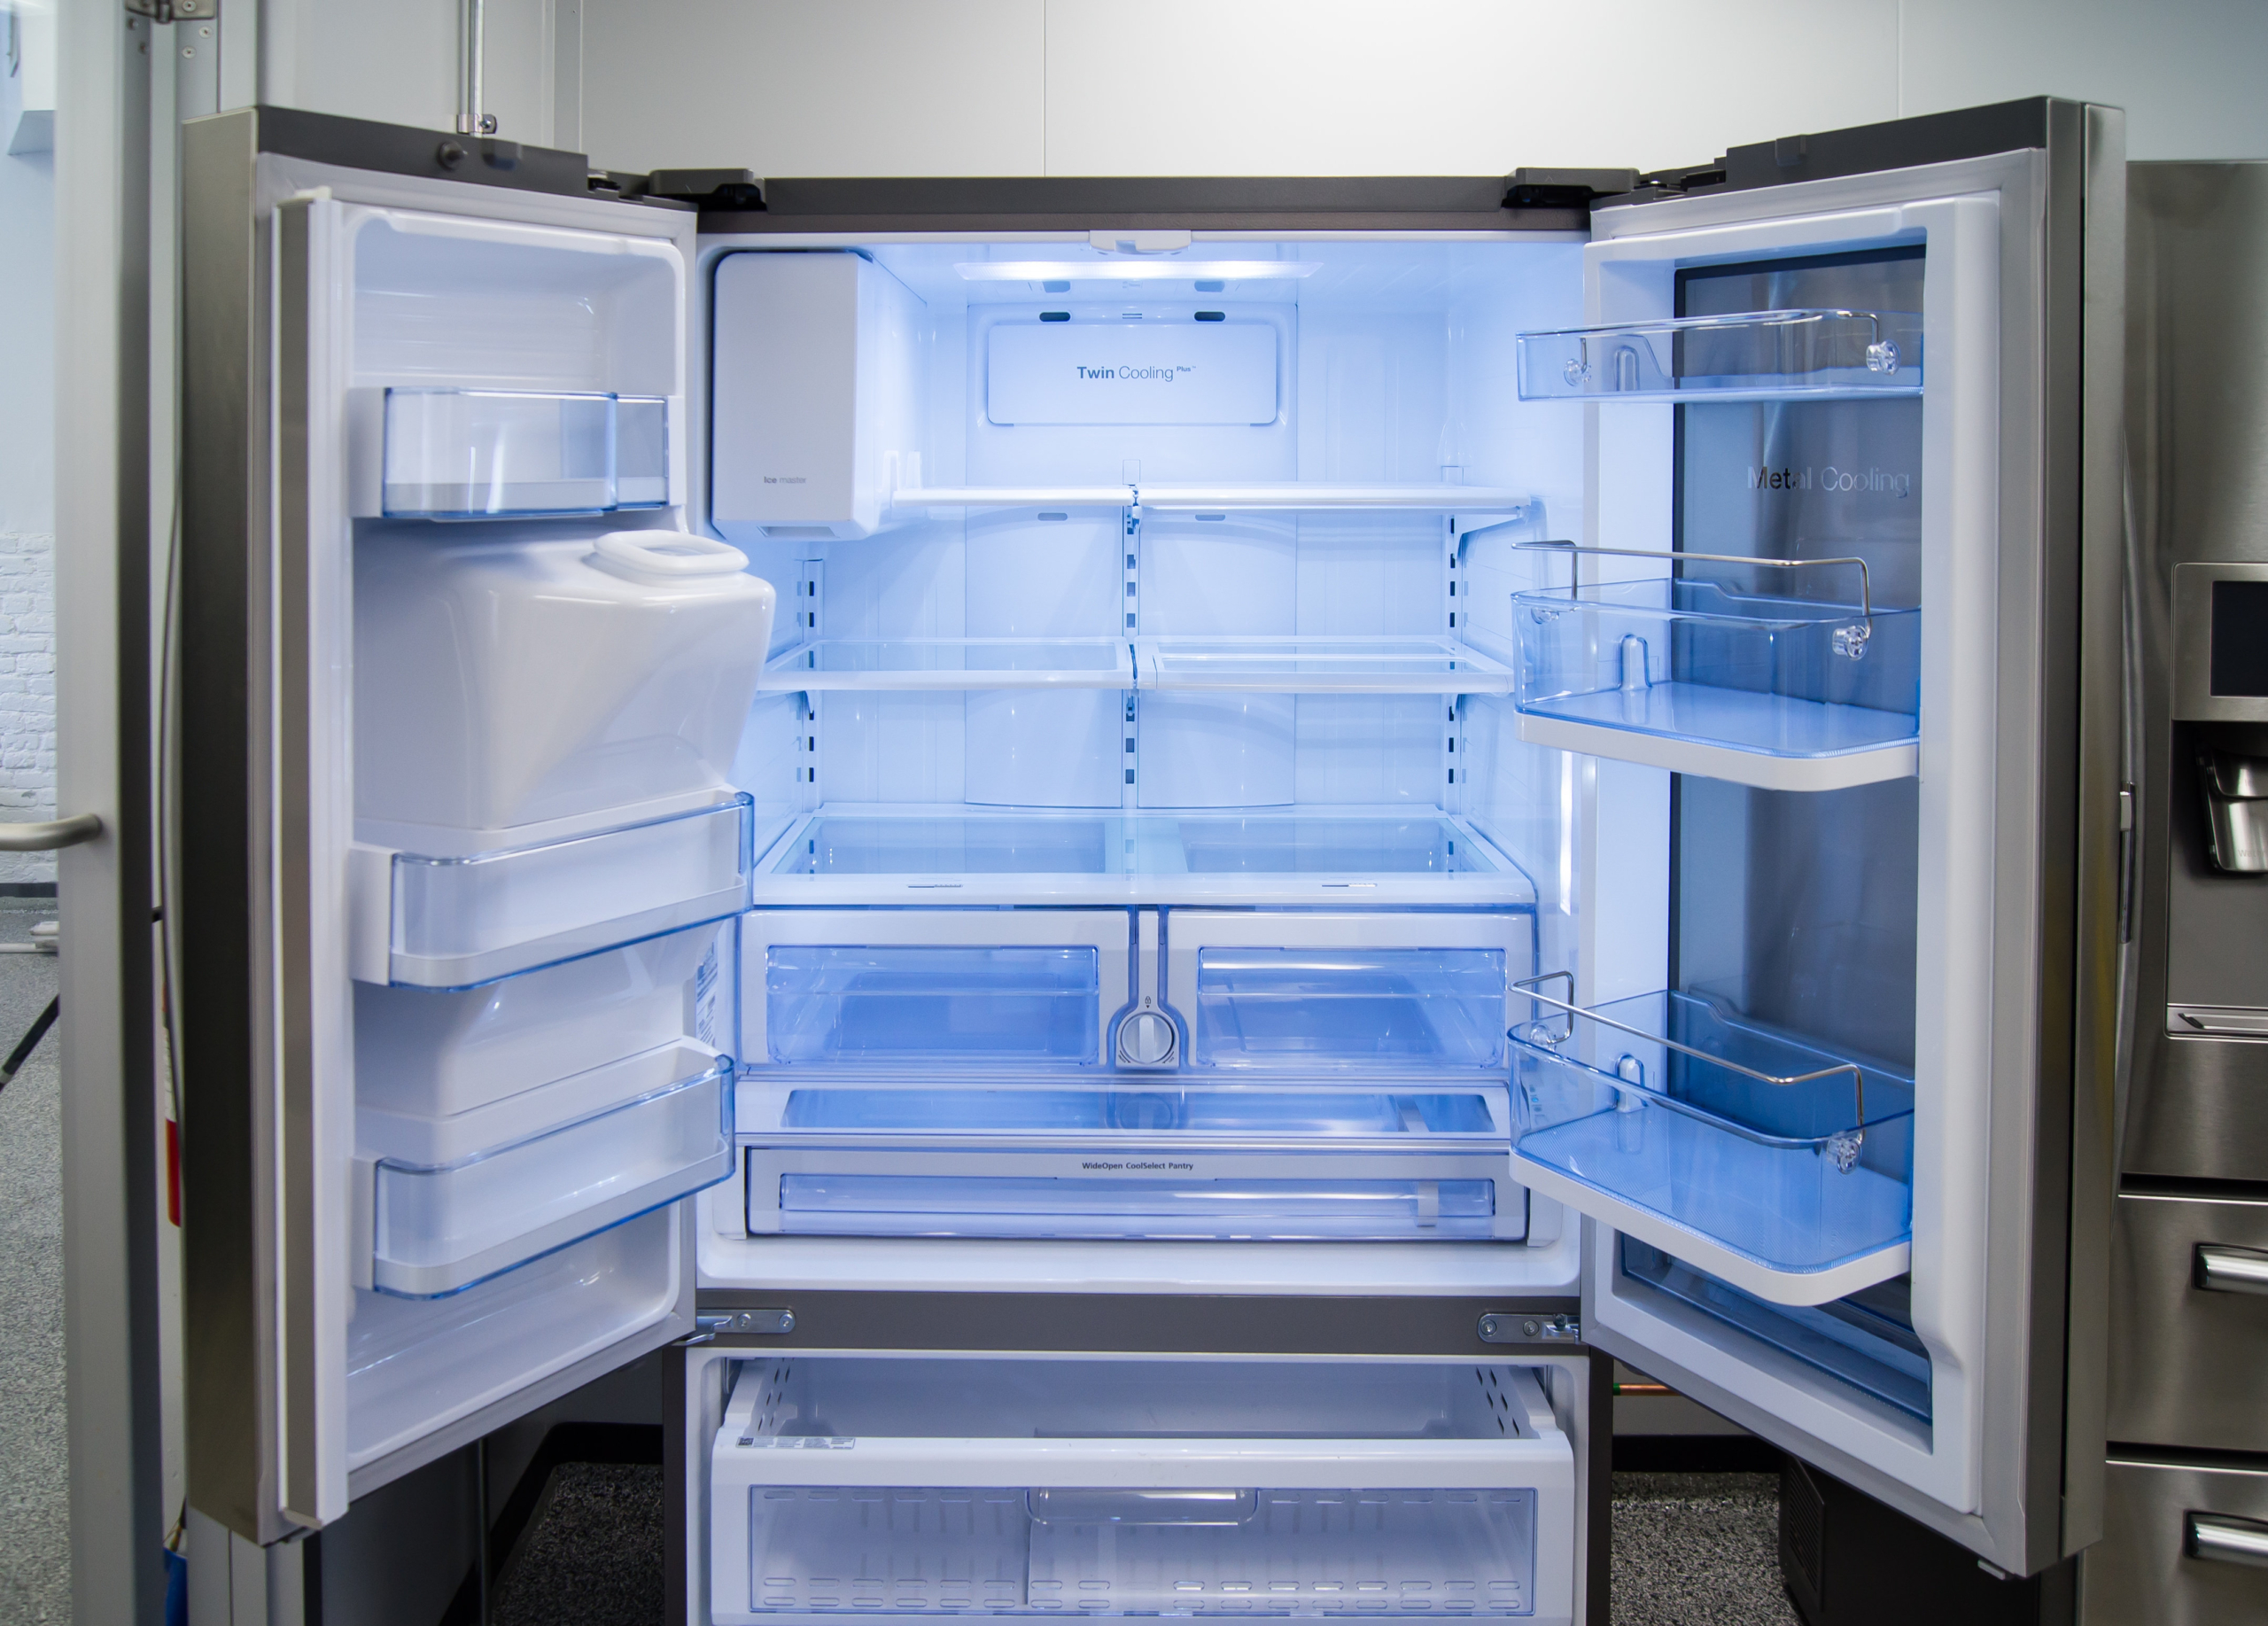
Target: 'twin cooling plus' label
{"x":1097,"y":372}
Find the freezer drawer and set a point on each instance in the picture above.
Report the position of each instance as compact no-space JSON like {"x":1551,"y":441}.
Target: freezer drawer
{"x":2181,"y":1546}
{"x":2189,"y":1323}
{"x":931,"y":988}
{"x":1279,"y":991}
{"x":1121,"y":1488}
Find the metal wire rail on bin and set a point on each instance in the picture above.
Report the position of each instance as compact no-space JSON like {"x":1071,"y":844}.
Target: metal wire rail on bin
{"x":1843,"y":1146}
{"x":1850,"y":641}
{"x":1881,"y":354}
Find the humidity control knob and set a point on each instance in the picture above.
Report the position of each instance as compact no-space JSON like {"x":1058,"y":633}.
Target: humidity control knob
{"x":1147,"y":1040}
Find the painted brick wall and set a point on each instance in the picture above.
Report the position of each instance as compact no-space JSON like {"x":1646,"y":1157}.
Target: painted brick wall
{"x":26,"y":694}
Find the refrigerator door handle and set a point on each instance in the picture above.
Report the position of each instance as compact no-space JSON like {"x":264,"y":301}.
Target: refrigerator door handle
{"x":2231,"y":1541}
{"x":2232,"y":1270}
{"x":50,"y":834}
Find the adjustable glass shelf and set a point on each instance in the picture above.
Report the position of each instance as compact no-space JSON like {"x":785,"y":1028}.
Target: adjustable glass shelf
{"x":1417,"y":665}
{"x":1684,"y":673}
{"x":1280,"y":497}
{"x":1757,"y":1156}
{"x":1281,"y":666}
{"x":1747,"y":355}
{"x":952,"y":664}
{"x":949,"y":855}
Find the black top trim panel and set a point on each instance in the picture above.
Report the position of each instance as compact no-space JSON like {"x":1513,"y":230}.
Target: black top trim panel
{"x":1898,"y":143}
{"x":1204,"y":203}
{"x":402,"y":150}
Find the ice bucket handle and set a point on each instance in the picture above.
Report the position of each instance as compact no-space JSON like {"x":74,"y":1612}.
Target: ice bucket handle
{"x":669,"y":553}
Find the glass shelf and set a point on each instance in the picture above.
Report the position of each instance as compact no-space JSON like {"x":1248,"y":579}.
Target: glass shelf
{"x":437,"y":1228}
{"x":951,"y":664}
{"x":1781,"y":693}
{"x":1111,"y":844}
{"x":1417,"y":665}
{"x":1285,"y":496}
{"x":1749,"y":355}
{"x":1757,"y":1156}
{"x":1170,"y":1107}
{"x":1285,"y":665}
{"x":456,"y":454}
{"x":456,"y":922}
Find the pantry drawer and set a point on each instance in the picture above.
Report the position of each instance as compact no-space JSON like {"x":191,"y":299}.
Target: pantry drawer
{"x":928,"y":988}
{"x":860,"y":1486}
{"x":1384,"y":993}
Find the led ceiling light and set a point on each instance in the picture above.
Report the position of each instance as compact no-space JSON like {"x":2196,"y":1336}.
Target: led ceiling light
{"x":1135,"y":270}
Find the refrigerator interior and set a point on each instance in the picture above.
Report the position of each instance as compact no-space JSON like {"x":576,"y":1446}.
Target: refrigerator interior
{"x":1143,"y":849}
{"x":838,"y":1483}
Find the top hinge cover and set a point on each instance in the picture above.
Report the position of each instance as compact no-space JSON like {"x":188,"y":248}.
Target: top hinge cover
{"x":174,"y":11}
{"x":1565,"y":189}
{"x":732,"y":189}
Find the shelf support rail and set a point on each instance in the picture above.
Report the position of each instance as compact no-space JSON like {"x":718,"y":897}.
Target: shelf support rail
{"x":1843,"y":1146}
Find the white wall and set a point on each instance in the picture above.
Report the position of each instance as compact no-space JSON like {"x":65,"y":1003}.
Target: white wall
{"x":1355,"y":87}
{"x":26,"y":489}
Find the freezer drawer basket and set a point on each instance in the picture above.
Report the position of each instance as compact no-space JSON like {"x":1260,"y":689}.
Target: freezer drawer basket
{"x":1298,"y":1554}
{"x":1664,"y":1104}
{"x":1689,"y":660}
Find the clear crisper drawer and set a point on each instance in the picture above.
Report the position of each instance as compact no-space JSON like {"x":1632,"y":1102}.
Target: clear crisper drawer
{"x":1119,"y":1487}
{"x":1746,"y":356}
{"x":931,"y":1002}
{"x":492,"y":454}
{"x":1662,"y":1115}
{"x":455,"y":923}
{"x":1277,"y":1007}
{"x":1687,"y":659}
{"x":441,"y":1227}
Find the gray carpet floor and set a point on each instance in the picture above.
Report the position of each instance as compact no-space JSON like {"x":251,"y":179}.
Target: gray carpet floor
{"x":34,"y":1538}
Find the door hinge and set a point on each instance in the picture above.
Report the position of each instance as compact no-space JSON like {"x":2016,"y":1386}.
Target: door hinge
{"x":1565,"y":189}
{"x":753,"y":1323}
{"x":1501,"y":1326}
{"x":174,"y":11}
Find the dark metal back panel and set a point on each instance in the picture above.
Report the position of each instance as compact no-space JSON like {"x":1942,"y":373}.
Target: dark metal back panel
{"x":2197,"y":442}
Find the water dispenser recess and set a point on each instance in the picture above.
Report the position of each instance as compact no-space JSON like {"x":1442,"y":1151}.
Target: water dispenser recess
{"x":2236,"y":812}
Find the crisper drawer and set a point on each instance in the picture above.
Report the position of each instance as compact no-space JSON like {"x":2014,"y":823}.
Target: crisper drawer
{"x":931,"y":988}
{"x":2189,"y":1323}
{"x":1286,"y":989}
{"x":1123,"y":1488}
{"x":2182,"y":1545}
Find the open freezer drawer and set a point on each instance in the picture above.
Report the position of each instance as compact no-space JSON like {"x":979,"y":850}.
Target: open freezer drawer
{"x":863,"y":1486}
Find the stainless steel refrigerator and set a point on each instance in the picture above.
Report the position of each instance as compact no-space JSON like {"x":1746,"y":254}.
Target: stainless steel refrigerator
{"x":1347,"y":796}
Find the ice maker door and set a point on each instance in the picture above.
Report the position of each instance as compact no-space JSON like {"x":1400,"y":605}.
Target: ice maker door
{"x":316,"y":288}
{"x":1918,"y":1314}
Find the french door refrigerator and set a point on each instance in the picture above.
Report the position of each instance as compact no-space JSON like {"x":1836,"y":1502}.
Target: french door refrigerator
{"x":1150,"y":856}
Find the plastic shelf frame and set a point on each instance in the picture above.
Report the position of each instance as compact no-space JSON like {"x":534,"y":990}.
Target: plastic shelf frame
{"x":436,"y":1230}
{"x":1746,"y":355}
{"x":1413,"y":666}
{"x":1759,"y":1157}
{"x":458,"y":923}
{"x":951,"y":664}
{"x":1686,"y":673}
